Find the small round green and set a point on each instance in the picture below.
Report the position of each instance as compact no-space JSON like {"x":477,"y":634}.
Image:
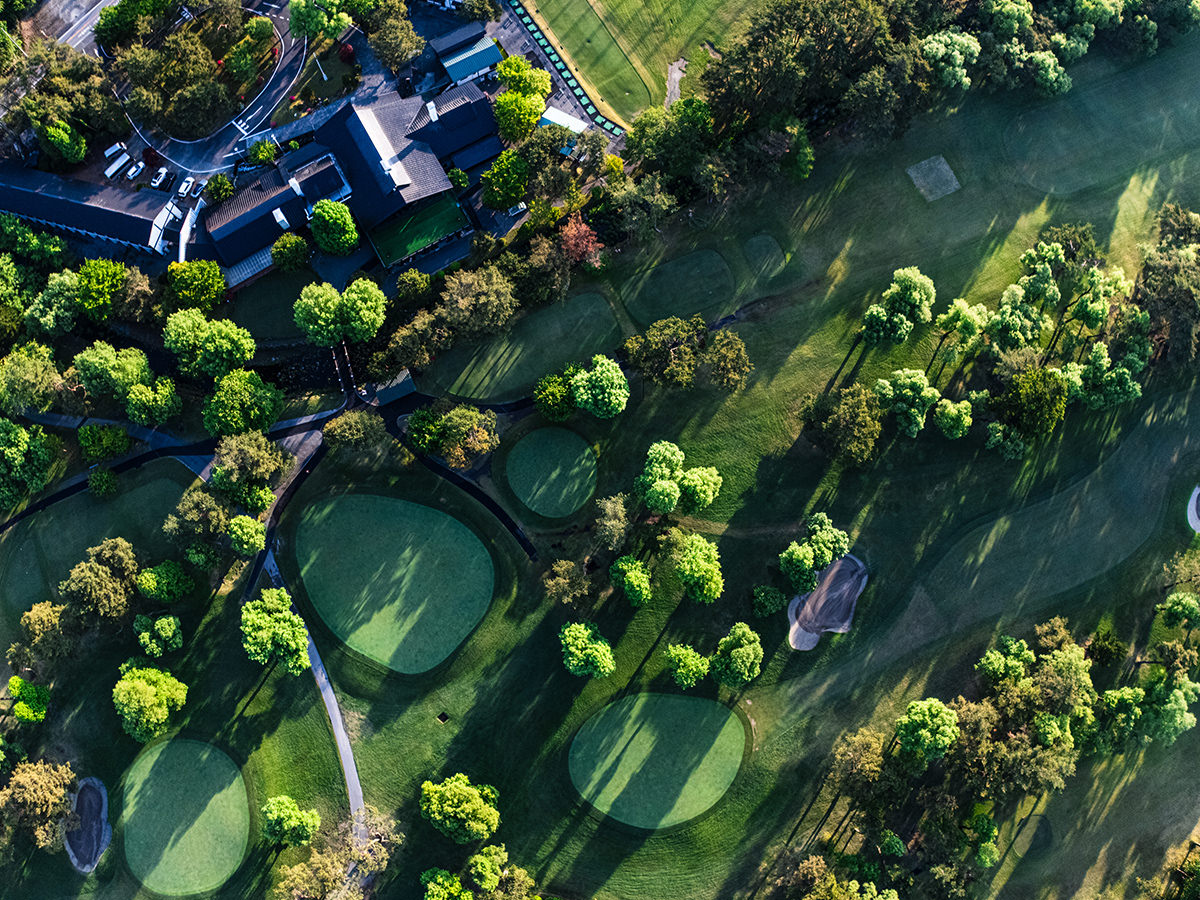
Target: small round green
{"x":552,"y":471}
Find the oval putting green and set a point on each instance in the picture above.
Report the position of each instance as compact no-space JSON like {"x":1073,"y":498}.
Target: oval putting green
{"x":552,"y":471}
{"x":401,"y":583}
{"x":186,"y":817}
{"x":655,"y":760}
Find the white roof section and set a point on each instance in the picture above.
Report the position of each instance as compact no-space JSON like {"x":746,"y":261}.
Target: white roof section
{"x":555,"y":116}
{"x":389,"y":159}
{"x":169,"y":213}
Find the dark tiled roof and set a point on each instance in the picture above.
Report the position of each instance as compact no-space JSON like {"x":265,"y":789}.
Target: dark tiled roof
{"x":458,"y":38}
{"x":112,"y":212}
{"x":478,"y":153}
{"x":464,"y":118}
{"x":248,"y":203}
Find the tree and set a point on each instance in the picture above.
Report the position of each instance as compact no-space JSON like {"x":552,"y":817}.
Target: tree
{"x":687,"y":665}
{"x":738,"y":659}
{"x":195,"y":284}
{"x":677,"y":352}
{"x":462,"y":811}
{"x":698,"y":488}
{"x":952,"y":419}
{"x":552,"y":397}
{"x":101,"y":585}
{"x":49,"y":630}
{"x":612,"y":521}
{"x":478,"y":301}
{"x":30,"y":700}
{"x":104,"y":370}
{"x":164,"y":583}
{"x":1180,"y":610}
{"x":907,"y":301}
{"x":25,"y":458}
{"x":241,"y":402}
{"x":858,"y":762}
{"x":517,"y":114}
{"x":209,"y":347}
{"x":392,"y":35}
{"x":603,"y":390}
{"x":333,"y":227}
{"x":1016,"y":323}
{"x":99,"y":281}
{"x":1034,"y":402}
{"x":585,"y":652}
{"x":153,"y":405}
{"x":566,"y":582}
{"x":247,"y":536}
{"x":28,"y":379}
{"x":579,"y":242}
{"x":505,"y":183}
{"x":359,"y":429}
{"x":63,"y":142}
{"x":273,"y":634}
{"x":284,"y":822}
{"x":487,"y":866}
{"x":768,"y":600}
{"x":102,"y":484}
{"x":442,"y":885}
{"x":317,"y":18}
{"x":327,"y":317}
{"x":641,"y":205}
{"x":673,"y":141}
{"x":926,"y":731}
{"x":199,"y":516}
{"x":633,"y":577}
{"x":219,"y":188}
{"x":364,"y":841}
{"x":966,"y":323}
{"x":37,"y":800}
{"x":290,"y":252}
{"x":846,"y":422}
{"x":103,"y":441}
{"x":909,"y":395}
{"x":823,"y":543}
{"x":145,"y":699}
{"x":55,"y":309}
{"x":516,"y":74}
{"x":699,"y":568}
{"x":459,"y":434}
{"x":158,"y":636}
{"x":950,"y":53}
{"x":481,"y":10}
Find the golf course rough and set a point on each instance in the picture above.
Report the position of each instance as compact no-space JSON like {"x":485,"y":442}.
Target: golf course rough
{"x":186,"y":817}
{"x":655,"y":760}
{"x":399,"y":582}
{"x":552,"y":471}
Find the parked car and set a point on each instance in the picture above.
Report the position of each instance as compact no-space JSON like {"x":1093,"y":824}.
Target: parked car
{"x":135,"y":170}
{"x":159,"y":177}
{"x":185,"y":186}
{"x":199,"y":188}
{"x":114,"y":150}
{"x":518,"y":209}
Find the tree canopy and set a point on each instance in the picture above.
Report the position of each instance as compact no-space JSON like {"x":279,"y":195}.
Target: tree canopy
{"x":462,"y":811}
{"x":272,"y":633}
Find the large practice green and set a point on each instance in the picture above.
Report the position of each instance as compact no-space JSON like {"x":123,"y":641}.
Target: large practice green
{"x":186,"y":818}
{"x":655,"y":760}
{"x":399,"y":582}
{"x":552,"y":471}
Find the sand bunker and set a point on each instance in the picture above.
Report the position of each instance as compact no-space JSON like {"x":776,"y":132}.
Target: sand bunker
{"x":87,"y":843}
{"x":933,"y":177}
{"x":831,"y":606}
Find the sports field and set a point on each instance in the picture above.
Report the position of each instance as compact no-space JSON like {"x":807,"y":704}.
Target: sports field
{"x":399,"y":582}
{"x":656,"y":760}
{"x":552,"y":471}
{"x":541,"y":341}
{"x":186,"y":819}
{"x":406,"y":235}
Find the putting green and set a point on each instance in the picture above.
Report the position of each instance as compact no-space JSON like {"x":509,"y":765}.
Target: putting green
{"x":655,"y":760}
{"x":401,"y":583}
{"x":698,"y":282}
{"x":186,"y":817}
{"x":552,"y":471}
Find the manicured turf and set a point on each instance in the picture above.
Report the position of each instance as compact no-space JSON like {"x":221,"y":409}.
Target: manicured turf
{"x":403,"y":237}
{"x":545,"y":340}
{"x":697,"y":282}
{"x":186,"y":819}
{"x":552,"y":471}
{"x":264,"y":307}
{"x":655,"y":760}
{"x":401,"y":583}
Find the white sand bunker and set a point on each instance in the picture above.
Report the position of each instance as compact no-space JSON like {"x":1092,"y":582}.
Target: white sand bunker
{"x":831,"y":606}
{"x":933,"y":177}
{"x":1194,"y":510}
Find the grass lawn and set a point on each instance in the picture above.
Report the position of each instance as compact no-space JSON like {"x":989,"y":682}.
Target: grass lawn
{"x":323,"y":79}
{"x":186,"y":820}
{"x":552,"y":471}
{"x":697,"y":282}
{"x":541,"y":341}
{"x":656,"y":760}
{"x":403,"y":237}
{"x":264,"y":307}
{"x":408,"y":596}
{"x":961,"y":545}
{"x":273,"y":726}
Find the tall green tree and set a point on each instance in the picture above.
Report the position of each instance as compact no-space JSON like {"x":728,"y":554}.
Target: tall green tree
{"x":273,"y":634}
{"x":462,"y":811}
{"x":738,"y":659}
{"x":207,"y":347}
{"x":145,"y":700}
{"x":241,"y":402}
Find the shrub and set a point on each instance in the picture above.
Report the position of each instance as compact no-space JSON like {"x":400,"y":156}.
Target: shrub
{"x":247,"y":536}
{"x":738,"y":659}
{"x":30,"y":700}
{"x":552,"y":398}
{"x":768,"y":600}
{"x":358,"y":428}
{"x":688,"y":666}
{"x":585,"y":652}
{"x":632,"y":576}
{"x":459,"y":179}
{"x":290,"y":252}
{"x":164,"y":583}
{"x":103,"y":484}
{"x":103,"y":441}
{"x":486,"y":867}
{"x":333,"y":228}
{"x":158,"y":636}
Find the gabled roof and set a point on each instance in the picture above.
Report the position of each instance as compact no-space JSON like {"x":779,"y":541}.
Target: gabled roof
{"x":458,"y":38}
{"x":463,"y":117}
{"x":473,"y":58}
{"x":110,"y":212}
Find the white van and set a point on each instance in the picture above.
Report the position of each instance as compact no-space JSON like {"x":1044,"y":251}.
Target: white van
{"x":112,"y":151}
{"x":117,"y":165}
